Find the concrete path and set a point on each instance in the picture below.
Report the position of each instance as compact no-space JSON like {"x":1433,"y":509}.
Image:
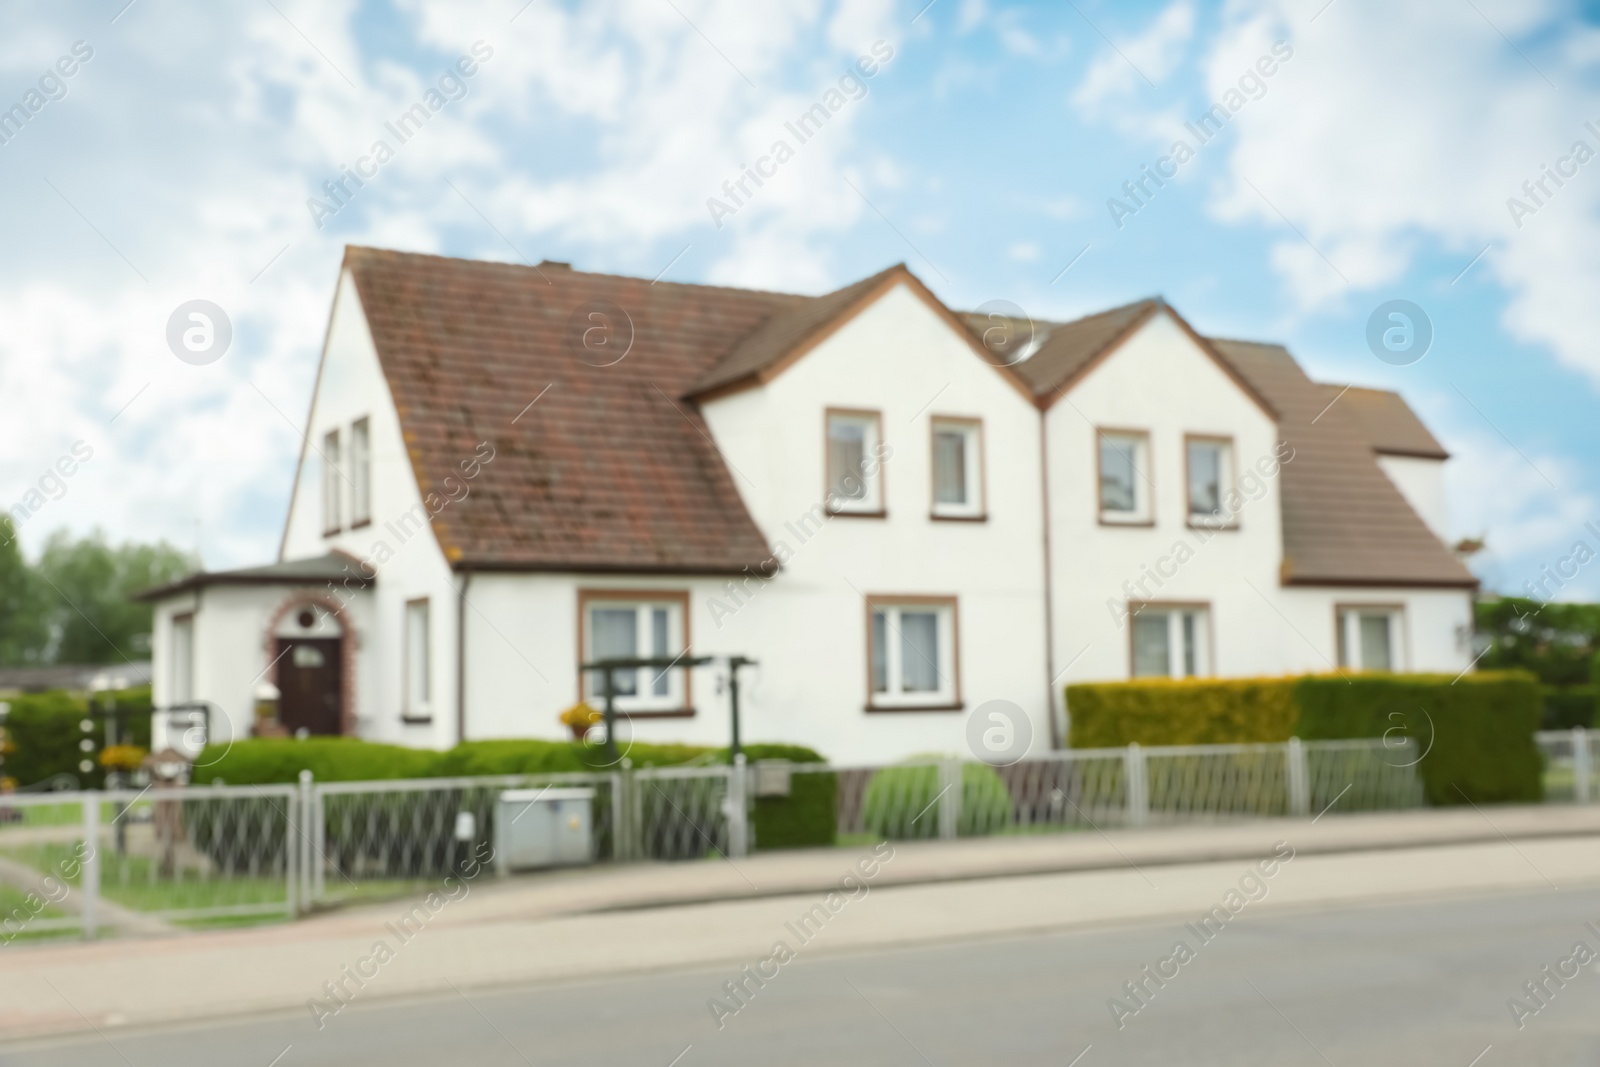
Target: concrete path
{"x":589,"y":924}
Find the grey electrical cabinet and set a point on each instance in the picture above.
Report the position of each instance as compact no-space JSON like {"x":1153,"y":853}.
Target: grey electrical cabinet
{"x":543,"y":828}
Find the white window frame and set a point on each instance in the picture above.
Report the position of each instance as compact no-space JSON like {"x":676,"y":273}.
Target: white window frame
{"x":644,"y":698}
{"x":416,"y":677}
{"x":331,"y":492}
{"x":871,"y":501}
{"x":360,"y":472}
{"x":971,"y":430}
{"x":1138,"y":443}
{"x":182,"y":677}
{"x":1347,"y":636}
{"x":1226,"y":481}
{"x":1183,"y":641}
{"x":947,"y":670}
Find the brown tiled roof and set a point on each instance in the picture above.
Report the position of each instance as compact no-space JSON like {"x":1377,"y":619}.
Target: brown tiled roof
{"x":1386,"y":422}
{"x":1344,"y":522}
{"x":790,"y":330}
{"x":1065,"y":349}
{"x":610,"y":469}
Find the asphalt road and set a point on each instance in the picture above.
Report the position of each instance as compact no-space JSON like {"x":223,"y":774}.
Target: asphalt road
{"x":1405,"y":983}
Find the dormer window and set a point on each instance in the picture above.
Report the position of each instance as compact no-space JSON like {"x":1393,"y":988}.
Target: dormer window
{"x":855,"y":476}
{"x":1124,"y":477}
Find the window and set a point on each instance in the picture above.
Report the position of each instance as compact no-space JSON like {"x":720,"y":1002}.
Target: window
{"x":360,"y":474}
{"x":635,"y":626}
{"x":855,"y":479}
{"x":418,"y":702}
{"x":1210,"y":463}
{"x":1171,"y":642}
{"x":1369,"y":638}
{"x":1124,"y":477}
{"x":182,"y":680}
{"x":912,"y":652}
{"x":330,"y":482}
{"x":957,"y":469}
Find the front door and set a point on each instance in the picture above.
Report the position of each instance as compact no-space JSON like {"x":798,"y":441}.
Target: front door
{"x":310,"y":685}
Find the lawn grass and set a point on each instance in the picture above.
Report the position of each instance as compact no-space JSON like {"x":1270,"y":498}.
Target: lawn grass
{"x":133,"y":881}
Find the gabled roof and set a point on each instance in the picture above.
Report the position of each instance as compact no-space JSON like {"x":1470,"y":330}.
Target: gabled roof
{"x":1386,"y":422}
{"x":1344,"y":522}
{"x":608,"y":469}
{"x":1064,"y":352}
{"x":317,"y":570}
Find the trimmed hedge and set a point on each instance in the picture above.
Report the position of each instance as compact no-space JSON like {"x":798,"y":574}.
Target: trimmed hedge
{"x":899,"y":803}
{"x":1481,"y":726}
{"x":808,"y":816}
{"x":269,"y":760}
{"x":43,"y":731}
{"x":1566,"y":706}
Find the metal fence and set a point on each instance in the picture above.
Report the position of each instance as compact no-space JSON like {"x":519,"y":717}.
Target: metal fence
{"x":1569,"y":761}
{"x":165,"y":859}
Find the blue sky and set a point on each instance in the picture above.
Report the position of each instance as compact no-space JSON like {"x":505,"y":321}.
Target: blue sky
{"x":1374,"y":164}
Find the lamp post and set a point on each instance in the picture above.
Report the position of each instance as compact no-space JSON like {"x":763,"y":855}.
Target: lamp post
{"x":610,"y":665}
{"x":734,"y":663}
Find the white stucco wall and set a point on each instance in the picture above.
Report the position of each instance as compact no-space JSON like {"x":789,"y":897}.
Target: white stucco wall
{"x":1421,"y":482}
{"x":402,"y":548}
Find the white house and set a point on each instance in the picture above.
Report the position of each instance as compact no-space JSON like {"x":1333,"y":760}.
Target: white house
{"x":900,"y":512}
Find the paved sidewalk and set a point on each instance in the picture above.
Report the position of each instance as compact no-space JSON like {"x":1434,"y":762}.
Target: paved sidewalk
{"x":575,"y":925}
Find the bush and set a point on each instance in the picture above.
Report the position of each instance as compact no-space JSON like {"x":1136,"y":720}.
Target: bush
{"x":1566,"y":706}
{"x":808,"y":816}
{"x":1477,"y":731}
{"x":265,"y":760}
{"x":899,"y":804}
{"x":43,"y":732}
{"x":1181,"y":711}
{"x":1479,"y":745}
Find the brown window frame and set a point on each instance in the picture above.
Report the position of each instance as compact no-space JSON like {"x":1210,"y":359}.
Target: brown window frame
{"x":1136,"y":607}
{"x":1100,"y":434}
{"x":1232,"y":484}
{"x":408,"y":713}
{"x":680,"y":597}
{"x":981,"y":513}
{"x":875,"y":600}
{"x":362,"y":473}
{"x":882,"y":510}
{"x":1401,"y":642}
{"x":332,"y":491}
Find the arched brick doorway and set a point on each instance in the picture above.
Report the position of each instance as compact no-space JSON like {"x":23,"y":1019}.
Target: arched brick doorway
{"x":309,"y":644}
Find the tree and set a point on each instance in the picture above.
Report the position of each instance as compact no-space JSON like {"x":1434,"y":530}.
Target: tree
{"x":24,"y":610}
{"x":89,"y":586}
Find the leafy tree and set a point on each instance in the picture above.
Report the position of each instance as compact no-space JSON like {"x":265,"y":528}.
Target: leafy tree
{"x":1555,"y":641}
{"x":89,"y":586}
{"x":24,"y":621}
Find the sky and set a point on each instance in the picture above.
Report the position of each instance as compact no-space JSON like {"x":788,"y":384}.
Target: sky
{"x":1394,"y":152}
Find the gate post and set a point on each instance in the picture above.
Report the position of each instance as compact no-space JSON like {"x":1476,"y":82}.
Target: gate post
{"x":90,"y":880}
{"x":1582,"y":768}
{"x":1299,"y":781}
{"x":1135,"y":785}
{"x":305,"y":808}
{"x":738,"y":812}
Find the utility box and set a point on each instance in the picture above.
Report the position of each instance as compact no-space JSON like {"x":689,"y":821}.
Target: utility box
{"x":772,"y":777}
{"x":536,"y":828}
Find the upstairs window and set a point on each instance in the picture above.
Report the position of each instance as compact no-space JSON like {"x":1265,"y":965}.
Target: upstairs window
{"x":418,"y":676}
{"x":957,"y":469}
{"x":912,"y":652}
{"x":855,"y":479}
{"x":1124,"y":477}
{"x":1369,"y":638}
{"x":330,"y":482}
{"x":1171,"y":642}
{"x":635,"y":627}
{"x":360,"y":474}
{"x":1210,"y":463}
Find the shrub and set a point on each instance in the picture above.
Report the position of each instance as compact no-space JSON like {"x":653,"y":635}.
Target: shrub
{"x":899,"y":803}
{"x":1477,"y":731}
{"x":808,"y":816}
{"x":1479,"y":745}
{"x":43,"y":732}
{"x":529,"y":756}
{"x":1566,"y":706}
{"x":1180,"y":711}
{"x":264,"y":760}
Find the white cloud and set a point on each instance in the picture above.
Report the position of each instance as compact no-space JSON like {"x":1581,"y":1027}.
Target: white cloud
{"x":1120,"y":70}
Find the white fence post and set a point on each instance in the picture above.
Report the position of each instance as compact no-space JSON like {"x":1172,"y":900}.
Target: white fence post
{"x":319,"y":844}
{"x":1581,"y":765}
{"x":1135,"y":785}
{"x":738,"y":812}
{"x":1299,"y":780}
{"x":949,"y":799}
{"x":618,"y":819}
{"x":89,"y":884}
{"x":304,"y":843}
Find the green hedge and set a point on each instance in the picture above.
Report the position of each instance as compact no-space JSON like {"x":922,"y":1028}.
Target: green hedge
{"x":808,"y":816}
{"x":43,"y":731}
{"x":1566,"y":706}
{"x":1481,"y":725}
{"x":899,"y":802}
